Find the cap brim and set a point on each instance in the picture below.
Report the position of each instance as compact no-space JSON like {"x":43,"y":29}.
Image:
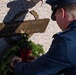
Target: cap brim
{"x":53,"y":16}
{"x":51,"y":2}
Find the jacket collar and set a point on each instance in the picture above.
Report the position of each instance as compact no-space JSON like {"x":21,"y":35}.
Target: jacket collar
{"x":72,"y":25}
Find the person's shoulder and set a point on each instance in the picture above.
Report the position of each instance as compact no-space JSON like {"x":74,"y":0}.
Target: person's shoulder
{"x":67,"y":35}
{"x":62,"y":35}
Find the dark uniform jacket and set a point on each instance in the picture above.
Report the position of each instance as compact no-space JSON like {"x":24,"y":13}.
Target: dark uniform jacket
{"x":61,"y":56}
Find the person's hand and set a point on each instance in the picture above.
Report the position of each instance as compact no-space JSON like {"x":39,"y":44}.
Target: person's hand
{"x":15,"y":60}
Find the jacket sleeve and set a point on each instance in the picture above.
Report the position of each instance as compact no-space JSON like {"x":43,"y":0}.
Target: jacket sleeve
{"x":50,"y":63}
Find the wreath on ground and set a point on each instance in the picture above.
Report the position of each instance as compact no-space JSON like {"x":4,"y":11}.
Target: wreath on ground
{"x":24,"y":48}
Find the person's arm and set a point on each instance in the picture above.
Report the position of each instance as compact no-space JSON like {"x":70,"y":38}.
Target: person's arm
{"x":52,"y":62}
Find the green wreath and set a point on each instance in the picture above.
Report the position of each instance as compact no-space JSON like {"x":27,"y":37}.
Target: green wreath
{"x":29,"y":48}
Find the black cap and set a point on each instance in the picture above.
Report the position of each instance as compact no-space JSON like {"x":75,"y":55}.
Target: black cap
{"x":58,"y":4}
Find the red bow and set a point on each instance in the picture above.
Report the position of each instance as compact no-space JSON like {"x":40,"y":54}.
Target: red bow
{"x":25,"y":55}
